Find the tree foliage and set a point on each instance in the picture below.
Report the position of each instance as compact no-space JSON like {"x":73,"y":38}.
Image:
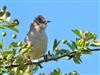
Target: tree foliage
{"x":11,"y":60}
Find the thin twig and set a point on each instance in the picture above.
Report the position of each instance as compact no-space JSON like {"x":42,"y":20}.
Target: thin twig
{"x":51,"y":58}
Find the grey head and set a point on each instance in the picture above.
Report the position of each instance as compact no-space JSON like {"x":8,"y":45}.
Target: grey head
{"x":39,"y":23}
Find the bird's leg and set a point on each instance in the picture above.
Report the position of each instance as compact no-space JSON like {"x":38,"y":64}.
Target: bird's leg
{"x":45,"y":56}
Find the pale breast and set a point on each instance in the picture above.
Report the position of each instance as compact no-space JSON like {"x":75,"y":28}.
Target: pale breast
{"x":39,"y":42}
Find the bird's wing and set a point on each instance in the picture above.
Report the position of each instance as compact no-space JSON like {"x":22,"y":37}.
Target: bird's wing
{"x":26,"y":38}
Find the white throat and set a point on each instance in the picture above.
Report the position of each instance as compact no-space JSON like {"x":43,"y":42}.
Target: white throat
{"x":40,"y":28}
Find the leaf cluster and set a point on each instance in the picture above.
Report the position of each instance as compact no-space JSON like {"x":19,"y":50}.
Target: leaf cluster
{"x":58,"y":72}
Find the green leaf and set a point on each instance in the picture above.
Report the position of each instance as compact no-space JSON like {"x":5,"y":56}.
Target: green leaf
{"x":2,"y":42}
{"x":76,"y":60}
{"x":0,"y":45}
{"x":14,"y":29}
{"x":94,"y":36}
{"x":87,"y":44}
{"x":77,"y":32}
{"x":73,"y":73}
{"x":8,"y":52}
{"x":94,"y":45}
{"x":70,"y":46}
{"x":77,"y":42}
{"x":7,"y":25}
{"x":1,"y":27}
{"x":35,"y":68}
{"x":56,"y":72}
{"x":89,"y":36}
{"x":62,"y":51}
{"x":10,"y":27}
{"x":56,"y":43}
{"x":86,"y":52}
{"x":79,"y":58}
{"x":1,"y":70}
{"x":19,"y":60}
{"x":13,"y":44}
{"x":74,"y":44}
{"x":69,"y":58}
{"x":28,"y":70}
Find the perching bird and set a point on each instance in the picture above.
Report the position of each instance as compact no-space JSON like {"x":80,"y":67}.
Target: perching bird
{"x":37,"y":38}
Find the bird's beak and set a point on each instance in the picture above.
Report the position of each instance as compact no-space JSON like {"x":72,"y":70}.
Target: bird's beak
{"x":48,"y":21}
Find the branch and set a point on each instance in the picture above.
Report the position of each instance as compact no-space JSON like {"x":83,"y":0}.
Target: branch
{"x":72,"y":54}
{"x":98,"y":49}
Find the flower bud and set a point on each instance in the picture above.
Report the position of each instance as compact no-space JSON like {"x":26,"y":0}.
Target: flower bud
{"x":7,"y":14}
{"x":29,"y":45}
{"x":19,"y":43}
{"x":86,"y":33}
{"x":3,"y":34}
{"x":64,"y":41}
{"x":74,"y":73}
{"x":56,"y":49}
{"x":25,"y":45}
{"x":14,"y":36}
{"x":16,"y":22}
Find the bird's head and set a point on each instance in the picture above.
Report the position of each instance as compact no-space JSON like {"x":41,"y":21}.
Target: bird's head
{"x":40,"y":23}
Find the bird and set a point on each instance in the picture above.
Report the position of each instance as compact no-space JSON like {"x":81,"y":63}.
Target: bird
{"x":37,"y":38}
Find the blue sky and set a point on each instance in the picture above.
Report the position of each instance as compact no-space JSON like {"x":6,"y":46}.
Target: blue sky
{"x":65,"y":15}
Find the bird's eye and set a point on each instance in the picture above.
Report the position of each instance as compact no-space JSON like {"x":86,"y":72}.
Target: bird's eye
{"x":41,"y":19}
